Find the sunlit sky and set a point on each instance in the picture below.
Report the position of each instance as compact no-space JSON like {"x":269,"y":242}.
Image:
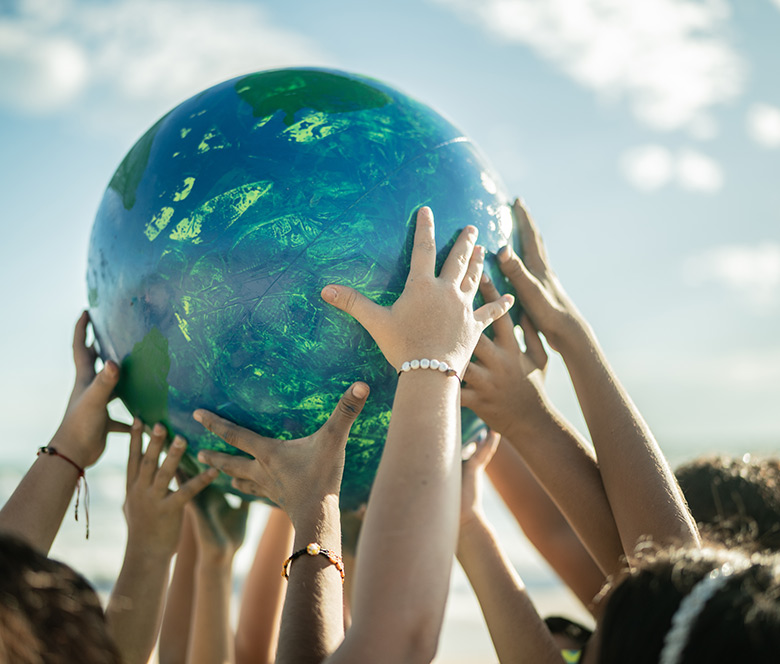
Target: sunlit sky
{"x":644,"y":136}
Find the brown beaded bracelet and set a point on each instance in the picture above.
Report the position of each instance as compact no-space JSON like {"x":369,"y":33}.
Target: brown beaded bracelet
{"x":315,"y":549}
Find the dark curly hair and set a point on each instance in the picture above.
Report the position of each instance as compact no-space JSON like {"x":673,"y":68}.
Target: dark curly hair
{"x":735,"y":501}
{"x":739,"y":623}
{"x":49,"y":614}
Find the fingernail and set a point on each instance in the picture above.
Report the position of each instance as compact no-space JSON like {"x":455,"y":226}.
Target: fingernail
{"x":212,"y":473}
{"x":485,"y":278}
{"x":111,"y":369}
{"x":504,"y":253}
{"x":159,"y":429}
{"x":197,"y":416}
{"x":179,"y":443}
{"x":202,"y":457}
{"x":137,"y":424}
{"x":329,"y":294}
{"x":360,"y":390}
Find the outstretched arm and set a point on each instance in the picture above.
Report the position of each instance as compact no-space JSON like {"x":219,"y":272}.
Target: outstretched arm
{"x":505,"y":388}
{"x":263,"y":594}
{"x":518,"y":633}
{"x":410,"y":527}
{"x":544,"y":525}
{"x":642,"y":491}
{"x":303,"y":477}
{"x":220,"y":531}
{"x":154,"y":517}
{"x":35,"y":510}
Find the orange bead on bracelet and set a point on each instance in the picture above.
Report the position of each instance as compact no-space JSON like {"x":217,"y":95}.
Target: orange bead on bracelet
{"x":315,"y":549}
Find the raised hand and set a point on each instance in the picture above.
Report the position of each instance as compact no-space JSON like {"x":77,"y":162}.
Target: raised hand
{"x":433,"y":318}
{"x":294,"y":474}
{"x":220,"y":527}
{"x":154,"y":513}
{"x":504,"y":383}
{"x":82,"y":434}
{"x":473,"y":476}
{"x":538,"y":288}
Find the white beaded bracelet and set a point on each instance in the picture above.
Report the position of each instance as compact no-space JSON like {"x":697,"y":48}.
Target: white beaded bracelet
{"x":425,"y":363}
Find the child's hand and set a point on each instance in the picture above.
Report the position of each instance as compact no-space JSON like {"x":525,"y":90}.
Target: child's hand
{"x":295,"y":474}
{"x":503,"y":385}
{"x":82,"y":434}
{"x":473,"y":475}
{"x":433,"y":318}
{"x":154,"y":513}
{"x":537,"y":287}
{"x":220,"y":528}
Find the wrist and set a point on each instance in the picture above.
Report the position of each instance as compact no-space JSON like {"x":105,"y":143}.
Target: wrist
{"x":318,"y":521}
{"x":65,"y":447}
{"x":147,"y":556}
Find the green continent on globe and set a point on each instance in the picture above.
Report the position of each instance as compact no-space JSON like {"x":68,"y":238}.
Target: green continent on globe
{"x":220,"y":227}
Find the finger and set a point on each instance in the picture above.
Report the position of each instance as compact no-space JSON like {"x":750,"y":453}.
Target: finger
{"x":424,"y":250}
{"x":534,"y":347}
{"x":485,"y":351}
{"x":346,"y":412}
{"x":100,"y":390}
{"x":194,"y":486}
{"x":134,"y":455}
{"x":248,"y":487}
{"x":469,"y":398}
{"x":492,"y":311}
{"x":114,"y":426}
{"x":486,"y":448}
{"x":458,"y":259}
{"x":234,"y":435}
{"x":83,"y":357}
{"x":534,"y":253}
{"x":151,"y":458}
{"x":364,"y":311}
{"x":473,"y":276}
{"x":168,"y":467}
{"x":476,"y":376}
{"x":229,"y":464}
{"x":503,"y":327}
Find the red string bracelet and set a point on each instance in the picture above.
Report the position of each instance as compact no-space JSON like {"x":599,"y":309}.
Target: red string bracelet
{"x":315,"y":549}
{"x":52,"y":451}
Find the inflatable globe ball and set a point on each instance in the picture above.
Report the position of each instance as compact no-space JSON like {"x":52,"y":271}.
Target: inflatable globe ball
{"x":223,"y":223}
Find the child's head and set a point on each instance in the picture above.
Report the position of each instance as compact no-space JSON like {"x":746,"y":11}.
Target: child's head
{"x":712,"y":605}
{"x":734,"y":501}
{"x":48,"y":612}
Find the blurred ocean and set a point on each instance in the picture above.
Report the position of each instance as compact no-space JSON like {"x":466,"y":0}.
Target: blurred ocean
{"x":464,"y":639}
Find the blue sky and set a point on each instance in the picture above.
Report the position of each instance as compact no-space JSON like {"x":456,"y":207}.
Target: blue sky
{"x":645,"y":138}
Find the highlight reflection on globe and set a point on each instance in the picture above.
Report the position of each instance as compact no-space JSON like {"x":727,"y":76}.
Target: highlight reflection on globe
{"x":223,"y":223}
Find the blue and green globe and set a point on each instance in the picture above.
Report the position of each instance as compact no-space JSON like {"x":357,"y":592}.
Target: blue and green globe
{"x":222,"y":224}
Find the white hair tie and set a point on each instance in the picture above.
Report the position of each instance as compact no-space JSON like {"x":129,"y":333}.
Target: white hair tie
{"x":690,"y":609}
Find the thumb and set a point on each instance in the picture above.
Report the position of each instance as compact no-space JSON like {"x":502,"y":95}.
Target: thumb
{"x":350,"y":301}
{"x":102,"y":385}
{"x":348,"y":408}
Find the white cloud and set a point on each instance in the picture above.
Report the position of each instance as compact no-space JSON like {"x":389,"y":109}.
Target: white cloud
{"x":753,"y":272}
{"x":153,"y":53}
{"x":698,"y":172}
{"x":763,"y":123}
{"x":671,"y":59}
{"x":650,"y":167}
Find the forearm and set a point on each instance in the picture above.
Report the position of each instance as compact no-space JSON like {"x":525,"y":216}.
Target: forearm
{"x":35,"y":510}
{"x":564,"y":465}
{"x":544,"y":524}
{"x":263,"y":598}
{"x":135,"y":606}
{"x":312,"y":619}
{"x":176,"y":621}
{"x":518,"y":633}
{"x":211,"y":637}
{"x":410,"y":528}
{"x":645,"y":497}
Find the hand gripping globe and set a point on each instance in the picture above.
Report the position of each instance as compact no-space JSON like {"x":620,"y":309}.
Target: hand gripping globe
{"x":223,"y":223}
